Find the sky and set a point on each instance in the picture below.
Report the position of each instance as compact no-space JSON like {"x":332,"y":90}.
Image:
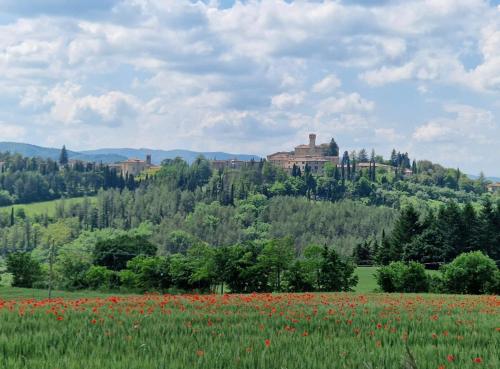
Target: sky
{"x":421,"y":76}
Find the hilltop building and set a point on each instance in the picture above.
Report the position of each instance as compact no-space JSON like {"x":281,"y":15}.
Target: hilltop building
{"x":311,"y":155}
{"x":231,"y":163}
{"x":2,"y":165}
{"x":493,"y":187}
{"x":134,"y":166}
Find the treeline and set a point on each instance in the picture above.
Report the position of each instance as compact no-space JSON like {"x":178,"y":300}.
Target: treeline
{"x":129,"y":261}
{"x":436,"y":236}
{"x":26,"y":180}
{"x":180,"y":219}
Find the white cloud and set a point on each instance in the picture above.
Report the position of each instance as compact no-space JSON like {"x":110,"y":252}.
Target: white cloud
{"x":467,"y":122}
{"x":11,"y":131}
{"x":349,"y":103}
{"x":69,"y":106}
{"x":388,"y":134}
{"x":287,"y":101}
{"x":432,"y":131}
{"x":327,"y":85}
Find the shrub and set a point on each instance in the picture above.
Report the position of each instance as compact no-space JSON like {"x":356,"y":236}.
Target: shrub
{"x":471,"y":273}
{"x":100,"y":277}
{"x":401,"y":277}
{"x":147,"y":273}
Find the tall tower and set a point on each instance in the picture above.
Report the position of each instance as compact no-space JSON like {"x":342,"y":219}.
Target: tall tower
{"x":312,"y":141}
{"x":148,"y":159}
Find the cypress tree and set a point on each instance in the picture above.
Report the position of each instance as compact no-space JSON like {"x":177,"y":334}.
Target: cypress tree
{"x":63,"y":156}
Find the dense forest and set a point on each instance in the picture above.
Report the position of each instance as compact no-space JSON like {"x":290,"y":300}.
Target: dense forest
{"x":186,"y":213}
{"x":25,"y":180}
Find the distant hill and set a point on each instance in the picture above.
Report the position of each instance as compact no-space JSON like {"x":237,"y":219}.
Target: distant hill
{"x":118,"y":154}
{"x":53,"y":153}
{"x":492,"y":179}
{"x":158,"y":156}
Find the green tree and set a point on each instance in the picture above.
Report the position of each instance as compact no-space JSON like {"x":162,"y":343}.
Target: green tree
{"x":276,"y":258}
{"x":100,"y":277}
{"x":148,"y":273}
{"x":63,"y":156}
{"x":114,"y":253}
{"x":335,"y":273}
{"x":24,"y":268}
{"x":333,"y":148}
{"x":407,"y":226}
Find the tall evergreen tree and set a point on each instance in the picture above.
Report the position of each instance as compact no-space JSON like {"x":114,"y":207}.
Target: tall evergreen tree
{"x":407,"y":226}
{"x":333,"y":148}
{"x":63,"y":156}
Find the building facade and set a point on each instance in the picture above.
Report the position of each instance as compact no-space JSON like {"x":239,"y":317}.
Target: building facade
{"x":312,"y":155}
{"x":231,"y":163}
{"x":493,"y":187}
{"x":134,"y":166}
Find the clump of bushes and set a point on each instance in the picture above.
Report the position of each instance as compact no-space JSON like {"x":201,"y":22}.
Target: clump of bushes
{"x":471,"y":273}
{"x":403,"y":277}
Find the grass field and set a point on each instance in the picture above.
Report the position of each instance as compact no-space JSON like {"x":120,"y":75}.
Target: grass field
{"x":265,"y":331}
{"x":366,"y":281}
{"x":44,"y":207}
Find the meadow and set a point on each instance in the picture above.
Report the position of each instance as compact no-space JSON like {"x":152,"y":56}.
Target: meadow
{"x":45,"y":207}
{"x":333,"y":330}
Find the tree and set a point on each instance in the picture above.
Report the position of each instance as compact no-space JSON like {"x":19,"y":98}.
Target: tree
{"x":296,"y":278}
{"x":489,"y":223}
{"x":333,"y":148}
{"x":147,"y":273}
{"x":313,"y":259}
{"x":63,"y":156}
{"x":363,"y":252}
{"x":101,"y":277}
{"x":178,"y":241}
{"x":335,"y":273}
{"x":407,"y":226}
{"x":114,"y":253}
{"x":414,"y":169}
{"x":24,"y":268}
{"x":276,"y":258}
{"x":363,"y":156}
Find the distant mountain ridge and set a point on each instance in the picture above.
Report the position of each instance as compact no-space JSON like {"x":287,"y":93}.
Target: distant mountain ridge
{"x":493,"y":179}
{"x":112,"y":155}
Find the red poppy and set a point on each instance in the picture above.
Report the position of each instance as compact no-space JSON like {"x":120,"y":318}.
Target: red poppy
{"x":451,"y":358}
{"x":478,"y":360}
{"x":200,"y":353}
{"x":60,"y":318}
{"x":267,"y":342}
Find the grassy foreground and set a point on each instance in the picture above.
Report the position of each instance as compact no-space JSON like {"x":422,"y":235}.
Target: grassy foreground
{"x":251,"y":331}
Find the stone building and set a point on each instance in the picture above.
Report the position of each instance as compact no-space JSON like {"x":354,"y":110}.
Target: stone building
{"x":312,"y":155}
{"x":134,"y":166}
{"x":493,"y":187}
{"x":231,"y":163}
